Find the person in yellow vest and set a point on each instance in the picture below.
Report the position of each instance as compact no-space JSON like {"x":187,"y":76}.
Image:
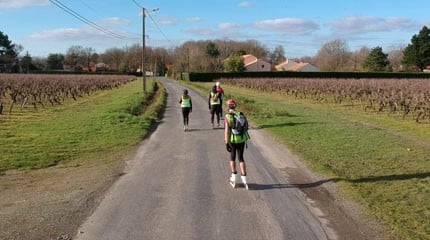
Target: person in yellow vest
{"x":221,"y":92}
{"x":235,"y":137}
{"x":187,"y":107}
{"x":215,"y":106}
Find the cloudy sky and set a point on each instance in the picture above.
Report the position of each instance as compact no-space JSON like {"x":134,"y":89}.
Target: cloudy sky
{"x":301,"y":27}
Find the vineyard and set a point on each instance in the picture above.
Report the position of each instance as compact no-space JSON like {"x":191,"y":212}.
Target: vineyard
{"x":408,"y":98}
{"x":41,"y":90}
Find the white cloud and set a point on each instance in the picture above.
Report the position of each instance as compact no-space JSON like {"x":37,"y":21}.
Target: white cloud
{"x":113,"y":21}
{"x":359,"y":25}
{"x":200,"y":31}
{"x":22,"y":3}
{"x":287,"y":25}
{"x":225,"y":30}
{"x":194,"y":19}
{"x":85,"y":32}
{"x":61,"y":34}
{"x":245,"y":4}
{"x":228,"y":26}
{"x":166,"y":21}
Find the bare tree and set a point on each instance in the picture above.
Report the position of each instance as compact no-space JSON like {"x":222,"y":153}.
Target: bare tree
{"x":113,"y":57}
{"x":395,"y":56}
{"x":358,"y":57}
{"x":278,"y":55}
{"x":133,"y":58}
{"x":182,"y":58}
{"x":161,"y":60}
{"x":89,"y":56}
{"x":74,"y":57}
{"x":334,"y":56}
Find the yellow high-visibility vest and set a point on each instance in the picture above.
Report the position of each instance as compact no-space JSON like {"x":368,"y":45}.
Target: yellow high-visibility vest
{"x":186,"y":102}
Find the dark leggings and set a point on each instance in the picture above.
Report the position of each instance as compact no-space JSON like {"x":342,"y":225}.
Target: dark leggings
{"x":215,"y":110}
{"x":239,"y":148}
{"x":185,"y":114}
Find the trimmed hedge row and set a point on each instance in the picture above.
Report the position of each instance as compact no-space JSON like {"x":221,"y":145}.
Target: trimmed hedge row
{"x":210,"y":77}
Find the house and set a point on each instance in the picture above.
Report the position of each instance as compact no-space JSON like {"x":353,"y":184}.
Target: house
{"x":253,"y":64}
{"x":304,"y":67}
{"x":427,"y":69}
{"x":290,"y":65}
{"x":284,"y":66}
{"x":99,"y":67}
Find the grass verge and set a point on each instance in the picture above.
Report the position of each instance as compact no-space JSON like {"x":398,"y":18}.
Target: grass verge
{"x":378,"y":160}
{"x":58,"y":162}
{"x":105,"y":124}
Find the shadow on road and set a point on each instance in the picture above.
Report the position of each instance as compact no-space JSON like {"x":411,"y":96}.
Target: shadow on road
{"x":286,"y":124}
{"x":204,"y":129}
{"x":394,"y":177}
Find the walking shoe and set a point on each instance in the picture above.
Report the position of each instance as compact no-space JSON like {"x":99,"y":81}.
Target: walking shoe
{"x":243,"y":178}
{"x":233,"y":180}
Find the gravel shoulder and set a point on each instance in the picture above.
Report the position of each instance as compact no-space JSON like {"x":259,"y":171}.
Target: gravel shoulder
{"x":52,"y":203}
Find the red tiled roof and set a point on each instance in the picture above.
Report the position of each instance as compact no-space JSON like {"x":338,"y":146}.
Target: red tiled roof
{"x":249,"y":59}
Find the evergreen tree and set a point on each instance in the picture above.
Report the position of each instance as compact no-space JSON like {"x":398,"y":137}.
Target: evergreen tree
{"x":376,"y":61}
{"x":26,"y":63}
{"x":417,"y":54}
{"x":55,"y":61}
{"x":212,"y":50}
{"x":214,"y":63}
{"x":8,"y":54}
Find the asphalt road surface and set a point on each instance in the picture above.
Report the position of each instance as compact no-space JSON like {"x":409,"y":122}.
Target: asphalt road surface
{"x":177,"y":187}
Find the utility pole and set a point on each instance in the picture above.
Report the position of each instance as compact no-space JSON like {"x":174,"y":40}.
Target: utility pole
{"x":143,"y":46}
{"x":143,"y":50}
{"x":154,"y":72}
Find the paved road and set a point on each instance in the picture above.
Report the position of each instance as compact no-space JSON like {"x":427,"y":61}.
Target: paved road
{"x":177,"y":188}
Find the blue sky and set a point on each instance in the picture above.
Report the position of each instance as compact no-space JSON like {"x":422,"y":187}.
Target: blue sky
{"x":301,"y":27}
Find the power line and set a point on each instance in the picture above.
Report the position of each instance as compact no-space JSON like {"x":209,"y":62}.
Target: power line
{"x":156,"y":25}
{"x":137,"y":4}
{"x":153,"y":21}
{"x":85,"y":20}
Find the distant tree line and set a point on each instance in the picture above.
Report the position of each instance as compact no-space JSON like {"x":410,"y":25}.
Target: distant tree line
{"x":220,"y":56}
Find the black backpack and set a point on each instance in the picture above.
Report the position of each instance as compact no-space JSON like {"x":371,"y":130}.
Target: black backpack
{"x":240,"y":124}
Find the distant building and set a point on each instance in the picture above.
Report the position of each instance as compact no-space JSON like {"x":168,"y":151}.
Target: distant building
{"x":289,"y":65}
{"x":286,"y":65}
{"x":253,"y":64}
{"x":99,"y":67}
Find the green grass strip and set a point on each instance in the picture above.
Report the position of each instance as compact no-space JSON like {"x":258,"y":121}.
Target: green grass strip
{"x":380,"y":161}
{"x":104,"y":124}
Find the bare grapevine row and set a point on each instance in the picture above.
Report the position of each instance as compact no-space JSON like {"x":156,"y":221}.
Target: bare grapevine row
{"x":408,"y":97}
{"x":41,"y":90}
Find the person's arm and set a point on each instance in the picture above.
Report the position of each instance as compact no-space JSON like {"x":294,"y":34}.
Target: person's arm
{"x":226,"y":131}
{"x":191,"y":105}
{"x":209,"y":101}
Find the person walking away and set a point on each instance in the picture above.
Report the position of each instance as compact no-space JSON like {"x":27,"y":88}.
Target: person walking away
{"x":221,"y":93}
{"x":187,"y":107}
{"x":214,"y":106}
{"x":235,"y":136}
